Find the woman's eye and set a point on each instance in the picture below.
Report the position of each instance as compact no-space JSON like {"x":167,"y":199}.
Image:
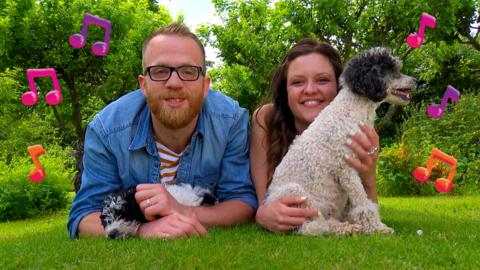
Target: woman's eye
{"x":323,"y":80}
{"x":297,"y":82}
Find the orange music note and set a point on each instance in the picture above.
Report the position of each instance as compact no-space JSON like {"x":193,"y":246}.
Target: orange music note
{"x":38,"y":173}
{"x":422,"y":174}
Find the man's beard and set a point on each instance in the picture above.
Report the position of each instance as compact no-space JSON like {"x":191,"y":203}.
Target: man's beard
{"x":178,"y":117}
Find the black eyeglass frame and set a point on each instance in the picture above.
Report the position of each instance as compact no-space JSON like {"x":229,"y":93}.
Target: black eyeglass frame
{"x":172,"y":69}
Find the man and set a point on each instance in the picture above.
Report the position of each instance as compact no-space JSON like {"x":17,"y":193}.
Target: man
{"x":174,"y":129}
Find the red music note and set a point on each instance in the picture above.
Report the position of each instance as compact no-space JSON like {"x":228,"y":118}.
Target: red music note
{"x":30,"y":98}
{"x":416,"y":40}
{"x":38,"y":173}
{"x":437,"y":110}
{"x":98,"y":48}
{"x":422,"y":174}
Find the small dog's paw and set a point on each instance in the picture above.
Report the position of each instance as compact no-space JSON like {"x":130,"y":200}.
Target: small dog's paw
{"x":316,"y":227}
{"x":384,"y":229}
{"x":380,"y":228}
{"x":346,"y":228}
{"x":356,"y":228}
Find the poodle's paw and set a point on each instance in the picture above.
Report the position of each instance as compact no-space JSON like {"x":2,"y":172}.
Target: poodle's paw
{"x":315,"y":227}
{"x":346,"y":228}
{"x":384,"y":229}
{"x":378,"y":227}
{"x":370,"y":219}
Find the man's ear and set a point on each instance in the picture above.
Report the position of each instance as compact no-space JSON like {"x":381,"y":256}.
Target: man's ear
{"x":141,"y":83}
{"x":206,"y":85}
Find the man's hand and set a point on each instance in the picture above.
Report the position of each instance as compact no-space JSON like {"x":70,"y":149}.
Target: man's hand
{"x":155,"y":200}
{"x":283,"y":214}
{"x":172,"y":226}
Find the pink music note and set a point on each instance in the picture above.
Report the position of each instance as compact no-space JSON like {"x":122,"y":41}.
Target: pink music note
{"x":416,"y":40}
{"x":99,"y":48}
{"x":422,"y":174}
{"x":437,"y":110}
{"x":37,"y":174}
{"x":30,"y":98}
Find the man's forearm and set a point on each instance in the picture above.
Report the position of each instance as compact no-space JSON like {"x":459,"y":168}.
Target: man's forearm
{"x":91,"y":226}
{"x":226,"y":213}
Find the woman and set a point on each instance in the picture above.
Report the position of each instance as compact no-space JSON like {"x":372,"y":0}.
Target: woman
{"x":303,"y":85}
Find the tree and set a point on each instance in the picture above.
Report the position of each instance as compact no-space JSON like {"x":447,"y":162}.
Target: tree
{"x":37,"y":34}
{"x":255,"y":35}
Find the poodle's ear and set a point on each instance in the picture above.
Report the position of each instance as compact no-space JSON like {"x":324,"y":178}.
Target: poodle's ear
{"x":365,"y":73}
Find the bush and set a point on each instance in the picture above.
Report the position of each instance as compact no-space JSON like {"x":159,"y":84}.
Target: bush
{"x":457,"y":134}
{"x":21,"y":198}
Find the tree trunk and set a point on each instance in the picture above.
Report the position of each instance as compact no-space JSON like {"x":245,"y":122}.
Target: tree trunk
{"x":386,"y":121}
{"x":77,"y":121}
{"x":61,"y":125}
{"x":78,"y":155}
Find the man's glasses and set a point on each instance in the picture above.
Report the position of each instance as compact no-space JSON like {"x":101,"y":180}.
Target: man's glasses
{"x":162,"y":73}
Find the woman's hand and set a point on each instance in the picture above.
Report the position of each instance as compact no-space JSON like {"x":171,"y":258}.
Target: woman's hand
{"x":365,"y":146}
{"x":283,"y":214}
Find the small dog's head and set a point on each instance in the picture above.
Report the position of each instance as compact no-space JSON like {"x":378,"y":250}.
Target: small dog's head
{"x":376,"y":75}
{"x":121,"y":215}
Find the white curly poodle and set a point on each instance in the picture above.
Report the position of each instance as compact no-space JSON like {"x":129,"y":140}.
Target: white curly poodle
{"x":314,"y":165}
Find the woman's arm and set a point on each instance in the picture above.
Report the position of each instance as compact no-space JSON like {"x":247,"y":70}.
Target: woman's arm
{"x":281,"y":215}
{"x":365,"y":162}
{"x":258,"y":152}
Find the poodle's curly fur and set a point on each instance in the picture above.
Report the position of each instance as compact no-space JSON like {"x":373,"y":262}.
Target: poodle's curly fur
{"x":315,"y":166}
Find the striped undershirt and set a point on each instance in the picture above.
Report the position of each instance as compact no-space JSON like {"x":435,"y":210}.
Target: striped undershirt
{"x":168,"y":163}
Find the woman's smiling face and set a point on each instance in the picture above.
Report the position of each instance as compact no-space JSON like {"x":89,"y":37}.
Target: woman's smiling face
{"x":311,"y":86}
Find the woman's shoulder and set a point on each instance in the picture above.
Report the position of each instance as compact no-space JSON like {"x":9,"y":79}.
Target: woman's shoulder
{"x":260,"y":114}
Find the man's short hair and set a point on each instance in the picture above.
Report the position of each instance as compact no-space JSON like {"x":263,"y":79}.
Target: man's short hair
{"x":174,"y":29}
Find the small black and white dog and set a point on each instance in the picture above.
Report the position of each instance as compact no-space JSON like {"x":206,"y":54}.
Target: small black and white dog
{"x":121,"y":215}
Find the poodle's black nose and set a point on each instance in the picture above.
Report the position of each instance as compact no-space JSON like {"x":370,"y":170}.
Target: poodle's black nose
{"x":114,"y":234}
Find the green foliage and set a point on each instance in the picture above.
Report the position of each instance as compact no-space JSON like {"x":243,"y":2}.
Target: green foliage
{"x":252,"y":41}
{"x":34,"y":34}
{"x":235,"y":82}
{"x":37,"y":34}
{"x":21,"y":126}
{"x":457,"y":134}
{"x":256,"y":34}
{"x":438,"y":65}
{"x":21,"y":198}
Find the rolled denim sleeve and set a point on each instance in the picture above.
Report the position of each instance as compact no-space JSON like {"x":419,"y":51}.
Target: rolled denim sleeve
{"x":235,"y":181}
{"x":99,"y":177}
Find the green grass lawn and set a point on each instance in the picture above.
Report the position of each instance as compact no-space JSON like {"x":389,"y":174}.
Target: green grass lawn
{"x":451,"y":239}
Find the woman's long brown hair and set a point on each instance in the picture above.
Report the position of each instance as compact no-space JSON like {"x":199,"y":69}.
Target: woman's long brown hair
{"x":280,"y":124}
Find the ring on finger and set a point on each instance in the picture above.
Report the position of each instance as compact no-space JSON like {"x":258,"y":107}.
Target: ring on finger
{"x":373,"y":152}
{"x":148,"y":202}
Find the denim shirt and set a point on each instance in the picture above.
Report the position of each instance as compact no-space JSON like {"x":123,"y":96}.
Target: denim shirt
{"x":120,"y":152}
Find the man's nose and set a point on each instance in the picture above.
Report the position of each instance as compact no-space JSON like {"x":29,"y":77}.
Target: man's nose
{"x":174,"y":80}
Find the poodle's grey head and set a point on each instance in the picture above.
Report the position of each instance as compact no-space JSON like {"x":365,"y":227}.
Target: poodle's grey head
{"x":376,"y":75}
{"x":121,"y":215}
